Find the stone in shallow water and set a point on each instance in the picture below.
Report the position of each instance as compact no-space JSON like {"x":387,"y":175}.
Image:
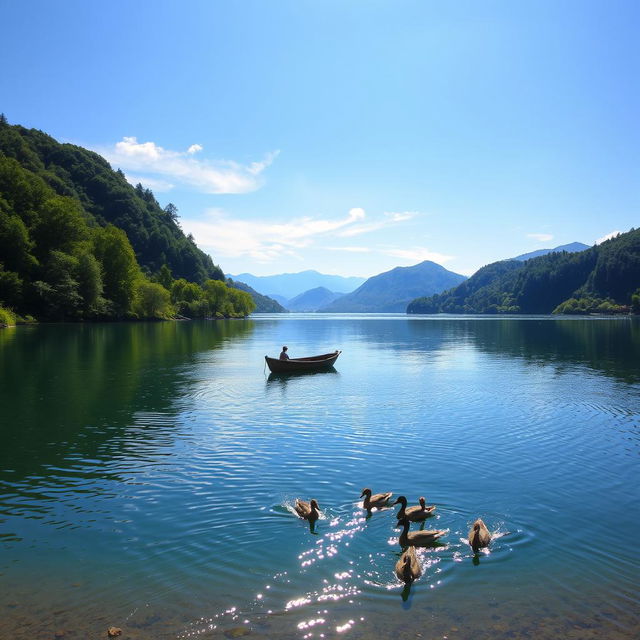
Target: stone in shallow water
{"x":114,"y":632}
{"x":237,"y":632}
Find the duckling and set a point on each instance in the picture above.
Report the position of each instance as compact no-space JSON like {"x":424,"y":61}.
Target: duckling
{"x":479,"y":535}
{"x":416,"y":513}
{"x":408,"y":568}
{"x":418,"y":538}
{"x":307,"y":510}
{"x":377,"y":500}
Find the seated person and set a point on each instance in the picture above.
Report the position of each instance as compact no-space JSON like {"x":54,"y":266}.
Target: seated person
{"x":283,"y":355}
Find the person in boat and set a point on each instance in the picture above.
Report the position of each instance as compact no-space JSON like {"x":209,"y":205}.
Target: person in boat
{"x":283,"y":354}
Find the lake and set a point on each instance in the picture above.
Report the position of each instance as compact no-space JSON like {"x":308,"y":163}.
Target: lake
{"x":148,"y":473}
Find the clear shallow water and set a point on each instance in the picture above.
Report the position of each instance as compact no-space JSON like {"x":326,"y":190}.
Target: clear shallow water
{"x":147,"y":473}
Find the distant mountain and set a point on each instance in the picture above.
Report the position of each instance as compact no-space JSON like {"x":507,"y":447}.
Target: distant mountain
{"x":290,"y":285}
{"x":569,"y":248}
{"x":601,"y":279}
{"x":280,"y":299}
{"x":393,"y":290}
{"x":312,"y":300}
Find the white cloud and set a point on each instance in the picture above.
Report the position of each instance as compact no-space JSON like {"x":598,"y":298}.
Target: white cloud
{"x":224,"y":176}
{"x":400,"y":216}
{"x":390,"y":218}
{"x":418,"y":254}
{"x":540,"y":237}
{"x":613,"y":234}
{"x":350,"y":249}
{"x":231,"y":237}
{"x":150,"y":183}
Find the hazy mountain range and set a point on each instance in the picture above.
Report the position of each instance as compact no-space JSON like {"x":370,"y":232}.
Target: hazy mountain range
{"x":290,"y":285}
{"x":386,"y":292}
{"x":393,"y":290}
{"x":569,"y":248}
{"x":312,"y":300}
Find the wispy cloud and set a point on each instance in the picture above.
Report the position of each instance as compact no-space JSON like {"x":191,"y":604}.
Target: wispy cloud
{"x":613,"y":234}
{"x":157,"y":163}
{"x":230,"y":237}
{"x":350,"y":249}
{"x":540,"y":237}
{"x":390,"y":218}
{"x":418,"y":254}
{"x":155,"y":184}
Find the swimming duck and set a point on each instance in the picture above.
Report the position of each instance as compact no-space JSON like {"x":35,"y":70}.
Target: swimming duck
{"x":418,"y":538}
{"x":479,"y":535}
{"x":408,"y":568}
{"x":377,"y":500}
{"x":307,"y":510}
{"x":415,"y":513}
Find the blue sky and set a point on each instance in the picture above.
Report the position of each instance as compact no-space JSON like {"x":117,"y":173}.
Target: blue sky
{"x":347,"y":137}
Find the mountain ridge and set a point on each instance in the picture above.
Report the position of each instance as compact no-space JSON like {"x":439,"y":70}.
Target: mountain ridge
{"x":604,"y":278}
{"x":290,"y":285}
{"x":391,"y":291}
{"x":572,"y":247}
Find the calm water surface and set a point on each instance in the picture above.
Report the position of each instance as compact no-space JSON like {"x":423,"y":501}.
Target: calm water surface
{"x":147,"y":473}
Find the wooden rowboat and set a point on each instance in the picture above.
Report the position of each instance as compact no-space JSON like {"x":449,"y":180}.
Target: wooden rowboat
{"x":301,"y":365}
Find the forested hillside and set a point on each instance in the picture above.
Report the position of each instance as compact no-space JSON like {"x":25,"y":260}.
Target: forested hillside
{"x":78,"y":242}
{"x":602,"y":279}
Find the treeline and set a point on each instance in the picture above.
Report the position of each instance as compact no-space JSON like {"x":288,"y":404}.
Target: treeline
{"x":106,"y":197}
{"x":61,"y":258}
{"x":602,"y":279}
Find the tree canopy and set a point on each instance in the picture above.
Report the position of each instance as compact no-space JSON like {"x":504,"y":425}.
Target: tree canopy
{"x":601,"y":279}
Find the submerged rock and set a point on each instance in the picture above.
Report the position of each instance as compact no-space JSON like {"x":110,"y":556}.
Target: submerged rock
{"x":114,"y":632}
{"x":237,"y":632}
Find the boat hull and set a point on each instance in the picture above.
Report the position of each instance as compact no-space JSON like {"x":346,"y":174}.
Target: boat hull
{"x":301,"y":365}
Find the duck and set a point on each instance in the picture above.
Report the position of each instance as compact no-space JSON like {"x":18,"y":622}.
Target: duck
{"x":307,"y":510}
{"x":479,"y":535}
{"x":377,"y":500}
{"x":408,"y":568}
{"x":418,"y":538}
{"x":415,"y":513}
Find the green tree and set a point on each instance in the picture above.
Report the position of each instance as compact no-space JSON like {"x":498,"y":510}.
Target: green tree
{"x":113,"y":250}
{"x":635,"y":301}
{"x":61,"y":225}
{"x":90,"y":284}
{"x":216,"y":294}
{"x":241,"y":302}
{"x":152,"y":300}
{"x":164,"y":277}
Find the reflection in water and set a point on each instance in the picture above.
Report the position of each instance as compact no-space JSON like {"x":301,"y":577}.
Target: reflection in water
{"x":146,"y":472}
{"x":285,"y":377}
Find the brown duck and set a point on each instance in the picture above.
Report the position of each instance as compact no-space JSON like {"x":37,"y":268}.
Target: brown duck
{"x":416,"y":513}
{"x":408,"y":568}
{"x":418,"y":538}
{"x":479,"y":535}
{"x":376,"y":500}
{"x":307,"y":510}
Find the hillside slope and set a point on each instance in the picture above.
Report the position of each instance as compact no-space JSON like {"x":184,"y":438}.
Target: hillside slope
{"x":107,"y":198}
{"x":312,"y":300}
{"x":569,"y":248}
{"x":598,"y":279}
{"x":391,"y":291}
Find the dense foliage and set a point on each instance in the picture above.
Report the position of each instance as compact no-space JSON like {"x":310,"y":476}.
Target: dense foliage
{"x":78,"y":242}
{"x":601,"y":279}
